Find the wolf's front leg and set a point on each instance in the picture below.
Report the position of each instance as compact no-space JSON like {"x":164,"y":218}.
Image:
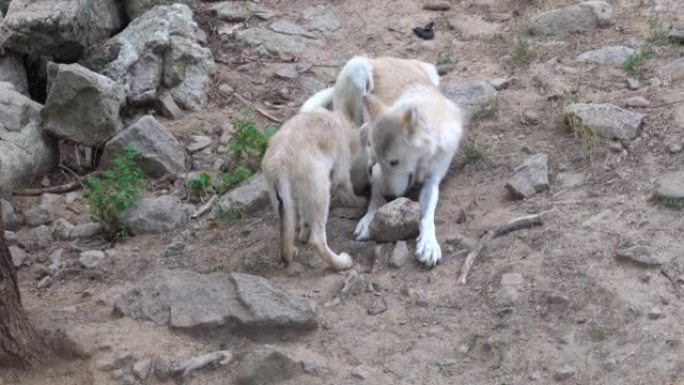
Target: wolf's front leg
{"x":428,"y":250}
{"x":377,"y":188}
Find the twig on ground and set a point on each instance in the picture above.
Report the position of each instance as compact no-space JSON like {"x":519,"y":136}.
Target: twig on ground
{"x":257,"y":109}
{"x":202,"y":210}
{"x":516,"y":224}
{"x":674,"y":283}
{"x":63,"y":188}
{"x":220,"y":358}
{"x":349,"y":284}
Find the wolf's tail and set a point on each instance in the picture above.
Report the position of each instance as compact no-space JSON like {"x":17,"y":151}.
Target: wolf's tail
{"x":283,"y":203}
{"x":321,"y":99}
{"x":355,"y":80}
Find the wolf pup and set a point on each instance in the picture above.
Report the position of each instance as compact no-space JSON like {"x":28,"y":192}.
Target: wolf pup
{"x":385,"y":77}
{"x":309,"y":154}
{"x":411,"y":142}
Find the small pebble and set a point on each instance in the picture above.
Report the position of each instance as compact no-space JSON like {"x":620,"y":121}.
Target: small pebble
{"x":655,"y":313}
{"x":564,"y":373}
{"x":226,"y":90}
{"x":674,"y":148}
{"x":633,"y":84}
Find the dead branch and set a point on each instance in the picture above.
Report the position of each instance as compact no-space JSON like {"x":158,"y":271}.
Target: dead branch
{"x":63,"y":188}
{"x":257,"y":109}
{"x":220,"y":358}
{"x":206,"y":207}
{"x":514,"y":225}
{"x":349,"y":284}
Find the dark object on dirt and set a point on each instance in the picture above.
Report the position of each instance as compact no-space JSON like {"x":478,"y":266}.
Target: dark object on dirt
{"x":437,"y":6}
{"x":427,"y":32}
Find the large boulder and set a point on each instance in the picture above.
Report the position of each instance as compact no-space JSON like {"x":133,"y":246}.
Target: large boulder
{"x":160,"y":50}
{"x":60,"y":29}
{"x":135,"y":8}
{"x":234,"y":11}
{"x":160,"y":152}
{"x":248,"y":197}
{"x":82,"y":106}
{"x":25,"y":151}
{"x":157,"y":215}
{"x":606,"y":120}
{"x":195,"y":302}
{"x":573,"y":18}
{"x":613,"y":55}
{"x":12,"y":71}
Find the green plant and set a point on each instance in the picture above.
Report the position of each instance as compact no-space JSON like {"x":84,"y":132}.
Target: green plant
{"x":522,"y":53}
{"x":657,"y":30}
{"x":248,"y":141}
{"x":471,"y":154}
{"x":116,"y":190}
{"x":226,"y":215}
{"x":201,"y":184}
{"x":670,"y":203}
{"x":586,"y":135}
{"x":634,"y":65}
{"x":485,"y":111}
{"x":444,"y":57}
{"x":228,"y":180}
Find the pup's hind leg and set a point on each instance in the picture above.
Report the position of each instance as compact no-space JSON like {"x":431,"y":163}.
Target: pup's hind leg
{"x":319,"y":204}
{"x":345,"y":189}
{"x":304,"y":225}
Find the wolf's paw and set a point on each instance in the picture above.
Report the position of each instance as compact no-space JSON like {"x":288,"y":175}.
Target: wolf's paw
{"x":343,"y":261}
{"x":428,"y":250}
{"x":363,"y":228}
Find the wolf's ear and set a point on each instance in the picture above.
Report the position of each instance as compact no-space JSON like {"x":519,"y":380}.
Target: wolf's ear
{"x":410,"y":118}
{"x":374,"y":105}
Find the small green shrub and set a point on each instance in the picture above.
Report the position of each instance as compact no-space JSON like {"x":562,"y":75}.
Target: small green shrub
{"x":634,"y":65}
{"x":224,"y":216}
{"x":471,"y":154}
{"x":248,"y":141}
{"x":228,"y":180}
{"x":444,"y":57}
{"x":586,"y":135}
{"x":116,"y":190}
{"x":201,"y":184}
{"x":670,"y":203}
{"x":657,"y":30}
{"x":522,"y":53}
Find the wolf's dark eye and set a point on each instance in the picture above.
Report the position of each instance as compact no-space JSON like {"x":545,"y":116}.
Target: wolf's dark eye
{"x":393,"y":163}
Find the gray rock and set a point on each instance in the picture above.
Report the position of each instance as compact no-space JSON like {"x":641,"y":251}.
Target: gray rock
{"x":531,"y":117}
{"x":633,"y":84}
{"x":82,"y":106}
{"x":322,"y":19}
{"x":267,"y":366}
{"x":656,"y":313}
{"x":25,"y":151}
{"x":676,"y":35}
{"x":614,"y":55}
{"x":400,"y":255}
{"x":571,"y":179}
{"x":600,"y":220}
{"x":564,"y":373}
{"x":574,"y":18}
{"x":234,"y":11}
{"x":11,"y":238}
{"x":471,"y":95}
{"x":196,"y":302}
{"x":198,"y":143}
{"x":135,"y":8}
{"x":142,"y":369}
{"x":92,"y":258}
{"x":44,"y":282}
{"x":19,"y":256}
{"x":292,"y":71}
{"x":640,"y":256}
{"x":275,"y":43}
{"x":510,"y":290}
{"x":34,"y":27}
{"x":87,"y":230}
{"x":674,"y":148}
{"x":674,"y":71}
{"x":637,"y":101}
{"x":42,"y":214}
{"x":530,"y":178}
{"x":35,"y":239}
{"x":9,"y":219}
{"x":395,"y":221}
{"x":290,"y":28}
{"x":607,"y":120}
{"x":56,"y":264}
{"x":500,"y":83}
{"x":670,"y":186}
{"x":167,"y":107}
{"x":226,"y":90}
{"x":248,"y":197}
{"x":12,"y":71}
{"x":160,"y":50}
{"x":160,"y":152}
{"x":157,"y":215}
{"x":62,"y":229}
{"x":114,"y":361}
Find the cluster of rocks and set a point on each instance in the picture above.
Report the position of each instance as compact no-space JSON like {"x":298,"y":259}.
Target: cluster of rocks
{"x":97,"y":75}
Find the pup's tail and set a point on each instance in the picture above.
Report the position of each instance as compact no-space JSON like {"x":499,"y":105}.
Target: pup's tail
{"x":283,"y":203}
{"x":320,"y":99}
{"x":355,"y":79}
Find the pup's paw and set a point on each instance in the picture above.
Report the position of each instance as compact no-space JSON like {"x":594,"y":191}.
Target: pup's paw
{"x":428,"y":250}
{"x":363,"y":228}
{"x":343,"y":261}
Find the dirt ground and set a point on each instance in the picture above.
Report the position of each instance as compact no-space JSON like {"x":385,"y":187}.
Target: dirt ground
{"x":578,"y":306}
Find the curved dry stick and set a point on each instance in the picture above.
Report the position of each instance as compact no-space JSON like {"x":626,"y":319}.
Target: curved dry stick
{"x":516,"y":224}
{"x":257,"y":109}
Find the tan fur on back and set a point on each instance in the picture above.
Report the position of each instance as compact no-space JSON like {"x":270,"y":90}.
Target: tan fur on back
{"x":391,"y":77}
